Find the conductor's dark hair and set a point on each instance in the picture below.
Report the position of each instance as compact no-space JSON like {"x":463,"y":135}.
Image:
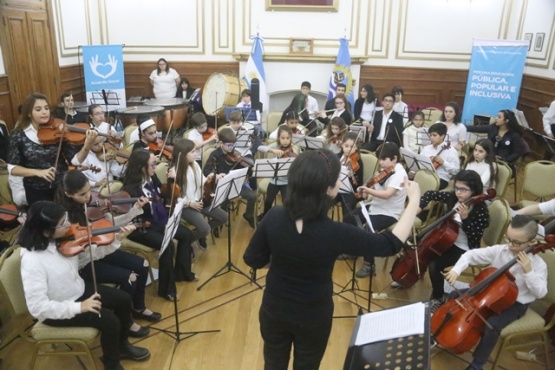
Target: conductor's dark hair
{"x":471,"y":179}
{"x":42,"y":219}
{"x":309,"y":178}
{"x":439,"y":128}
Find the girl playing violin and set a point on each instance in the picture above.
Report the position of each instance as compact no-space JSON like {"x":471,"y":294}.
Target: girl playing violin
{"x":196,"y":135}
{"x":333,"y":135}
{"x":34,"y":161}
{"x":126,"y":270}
{"x":97,"y":159}
{"x":350,"y":158}
{"x":530,"y":274}
{"x":388,"y":198}
{"x":147,"y":133}
{"x":283,"y":148}
{"x":291,"y":120}
{"x":472,"y":222}
{"x":140,"y":180}
{"x":96,"y":120}
{"x":191,"y":182}
{"x":483,"y":162}
{"x":57,"y":296}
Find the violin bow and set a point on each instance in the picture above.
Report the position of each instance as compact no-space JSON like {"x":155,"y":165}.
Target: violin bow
{"x":108,"y":184}
{"x":89,"y":236}
{"x":175,"y":182}
{"x":166,"y":139}
{"x":58,"y":154}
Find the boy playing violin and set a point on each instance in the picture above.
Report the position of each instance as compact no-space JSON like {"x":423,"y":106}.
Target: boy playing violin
{"x":389,"y":195}
{"x":448,"y":159}
{"x":196,"y":135}
{"x":147,"y":132}
{"x":223,"y":160}
{"x":530,"y":275}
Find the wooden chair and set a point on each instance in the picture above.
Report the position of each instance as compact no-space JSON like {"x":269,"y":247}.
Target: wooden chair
{"x":127,"y":131}
{"x":499,"y":219}
{"x":16,"y":318}
{"x":504,"y":174}
{"x":538,"y":180}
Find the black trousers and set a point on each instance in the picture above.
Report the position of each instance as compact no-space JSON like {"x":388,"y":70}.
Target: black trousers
{"x":168,"y":274}
{"x":271,"y":194}
{"x":34,"y":195}
{"x":436,"y":267}
{"x":113,"y":323}
{"x":309,"y":343}
{"x":116,"y":268}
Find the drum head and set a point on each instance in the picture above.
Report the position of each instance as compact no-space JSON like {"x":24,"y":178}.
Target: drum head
{"x":221,"y":91}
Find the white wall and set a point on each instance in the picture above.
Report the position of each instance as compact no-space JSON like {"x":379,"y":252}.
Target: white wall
{"x":411,"y":33}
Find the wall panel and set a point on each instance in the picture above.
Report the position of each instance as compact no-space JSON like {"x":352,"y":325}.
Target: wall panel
{"x":6,"y":104}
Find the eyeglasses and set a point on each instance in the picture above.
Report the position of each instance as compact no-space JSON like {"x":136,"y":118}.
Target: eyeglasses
{"x":515,"y":243}
{"x":98,"y":114}
{"x":388,"y":100}
{"x":65,"y":222}
{"x":462,"y":190}
{"x":229,"y":145}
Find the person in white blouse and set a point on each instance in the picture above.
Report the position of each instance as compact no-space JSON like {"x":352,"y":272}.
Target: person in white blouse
{"x":549,"y":120}
{"x":456,"y":131}
{"x":483,"y":162}
{"x":97,"y":121}
{"x":57,"y":296}
{"x":400,"y":106}
{"x":164,"y":80}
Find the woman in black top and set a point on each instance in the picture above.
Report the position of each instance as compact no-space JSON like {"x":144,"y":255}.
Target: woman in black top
{"x":506,"y":136}
{"x":367,"y":96}
{"x":184,"y":90}
{"x":300,"y":243}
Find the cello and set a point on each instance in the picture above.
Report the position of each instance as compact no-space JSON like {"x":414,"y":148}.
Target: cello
{"x":433,"y":241}
{"x":458,"y":324}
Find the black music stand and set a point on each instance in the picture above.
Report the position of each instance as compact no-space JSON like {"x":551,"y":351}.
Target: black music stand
{"x":272,"y":167}
{"x":545,"y":142}
{"x":415,"y":161}
{"x":227,"y":189}
{"x":171,"y":228}
{"x":105,"y":98}
{"x":307,"y":142}
{"x":410,"y":352}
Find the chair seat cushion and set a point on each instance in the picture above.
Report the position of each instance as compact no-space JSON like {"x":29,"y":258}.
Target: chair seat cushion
{"x":263,"y":186}
{"x":42,"y":331}
{"x":126,"y":243}
{"x":530,"y":321}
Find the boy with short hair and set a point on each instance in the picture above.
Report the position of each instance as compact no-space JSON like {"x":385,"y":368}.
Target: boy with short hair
{"x":200,"y":126}
{"x":246,"y":103}
{"x":448,"y":159}
{"x":530,"y":273}
{"x":218,"y":162}
{"x":312,"y":106}
{"x":67,"y":110}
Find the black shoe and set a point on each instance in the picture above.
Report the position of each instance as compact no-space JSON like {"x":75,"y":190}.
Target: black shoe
{"x":133,"y":353}
{"x":202,"y":243}
{"x":216,"y":232}
{"x":170,"y":296}
{"x":155,"y":316}
{"x":141,"y":333}
{"x":250,"y":219}
{"x":260,"y":217}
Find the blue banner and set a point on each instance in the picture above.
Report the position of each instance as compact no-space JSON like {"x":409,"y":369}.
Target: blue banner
{"x":494,"y":77}
{"x":342,"y":72}
{"x":104,"y":75}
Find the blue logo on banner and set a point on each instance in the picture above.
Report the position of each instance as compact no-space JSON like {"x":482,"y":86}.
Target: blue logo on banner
{"x":103,"y":65}
{"x":494,"y":78}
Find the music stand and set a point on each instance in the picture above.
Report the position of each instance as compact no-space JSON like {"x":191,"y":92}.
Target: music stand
{"x":227,"y":189}
{"x":244,"y":138}
{"x":171,"y":228}
{"x":272,"y":167}
{"x":415,"y":161}
{"x":412,"y":351}
{"x":105,"y":98}
{"x":307,"y":142}
{"x":358,"y":129}
{"x":248,"y":114}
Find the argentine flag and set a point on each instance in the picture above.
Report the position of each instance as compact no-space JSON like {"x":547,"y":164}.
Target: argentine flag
{"x":255,"y":69}
{"x":342,"y":72}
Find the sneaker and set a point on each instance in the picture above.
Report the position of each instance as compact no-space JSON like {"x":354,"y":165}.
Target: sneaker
{"x":259,"y":218}
{"x":366,"y":269}
{"x":202,"y":244}
{"x":434,"y":305}
{"x":396,"y":285}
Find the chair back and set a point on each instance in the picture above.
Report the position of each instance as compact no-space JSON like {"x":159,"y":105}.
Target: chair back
{"x":11,"y":285}
{"x":127,"y":131}
{"x":549,"y":258}
{"x":426,"y":180}
{"x":504,"y":175}
{"x":369,"y":165}
{"x":206,"y":154}
{"x":115,"y":186}
{"x":5,"y":190}
{"x":539,"y":177}
{"x":162,"y":172}
{"x":499,"y":219}
{"x":431,"y":115}
{"x":272,"y":121}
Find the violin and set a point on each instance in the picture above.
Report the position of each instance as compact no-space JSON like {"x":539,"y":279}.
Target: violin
{"x":380,"y":178}
{"x":458,"y":324}
{"x":170,"y":191}
{"x":337,"y":138}
{"x":208,"y":134}
{"x":119,"y":155}
{"x":9,"y":213}
{"x":234,"y":158}
{"x":209,"y":187}
{"x":288,"y":152}
{"x":57,"y":129}
{"x":91,"y":168}
{"x":119,"y":202}
{"x":351,"y":162}
{"x":433,"y":241}
{"x":77,"y":237}
{"x":159,"y":146}
{"x":444,"y":147}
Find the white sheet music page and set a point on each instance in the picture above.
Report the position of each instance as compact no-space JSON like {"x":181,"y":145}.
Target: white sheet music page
{"x":392,"y":323}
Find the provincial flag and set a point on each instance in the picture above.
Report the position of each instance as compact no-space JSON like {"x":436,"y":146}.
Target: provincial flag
{"x":342,"y":72}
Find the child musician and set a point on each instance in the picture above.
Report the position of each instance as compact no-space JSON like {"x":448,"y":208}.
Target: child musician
{"x":191,"y":181}
{"x":448,"y":160}
{"x":141,"y":181}
{"x":472,"y":221}
{"x":389,"y":195}
{"x":246,"y":104}
{"x":483,"y":162}
{"x":283,"y":148}
{"x":412,"y":134}
{"x":221,"y":161}
{"x":126,"y":270}
{"x":97,"y":159}
{"x":342,"y":109}
{"x":96,"y":119}
{"x":350,"y":158}
{"x":333,"y":135}
{"x":240,"y":128}
{"x":530,"y":275}
{"x":57,"y":296}
{"x":291,"y":120}
{"x":147,"y":133}
{"x":200,"y":127}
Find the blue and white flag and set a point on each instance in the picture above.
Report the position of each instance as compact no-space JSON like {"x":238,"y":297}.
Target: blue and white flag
{"x":494,"y":77}
{"x":255,"y":69}
{"x":342,"y":72}
{"x":104,"y":77}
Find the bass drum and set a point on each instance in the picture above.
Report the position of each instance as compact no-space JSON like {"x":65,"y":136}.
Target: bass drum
{"x":221,"y":91}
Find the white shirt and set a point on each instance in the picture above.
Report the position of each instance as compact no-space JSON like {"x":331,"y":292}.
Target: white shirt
{"x":114,"y":167}
{"x":403,"y":109}
{"x":164,"y":85}
{"x":195,"y":181}
{"x":367,"y":112}
{"x":385,"y":118}
{"x":462,"y":238}
{"x":312,"y":107}
{"x":51,"y":281}
{"x":104,"y":128}
{"x":18,"y":190}
{"x":548,"y":208}
{"x":451,"y":162}
{"x":134,"y":136}
{"x":395,"y":205}
{"x":196,"y":136}
{"x":455,"y":133}
{"x":549,"y":118}
{"x":531,"y":286}
{"x":273,"y":134}
{"x":483,"y":170}
{"x":412,"y":138}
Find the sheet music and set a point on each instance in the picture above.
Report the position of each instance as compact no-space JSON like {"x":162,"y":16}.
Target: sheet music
{"x":366,"y":215}
{"x":392,"y":323}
